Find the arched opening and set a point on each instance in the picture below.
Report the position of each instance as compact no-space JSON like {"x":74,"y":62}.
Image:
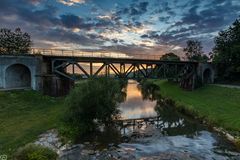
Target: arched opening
{"x":207,"y":76}
{"x":17,"y":76}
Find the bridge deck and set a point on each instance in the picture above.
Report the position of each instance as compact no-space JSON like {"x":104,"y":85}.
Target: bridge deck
{"x":115,"y":60}
{"x":103,"y":56}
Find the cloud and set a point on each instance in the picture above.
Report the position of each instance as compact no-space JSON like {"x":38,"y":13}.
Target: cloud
{"x":68,"y":37}
{"x":139,"y":8}
{"x":30,"y":13}
{"x":136,"y":26}
{"x":71,"y":2}
{"x":73,"y":21}
{"x":135,"y":9}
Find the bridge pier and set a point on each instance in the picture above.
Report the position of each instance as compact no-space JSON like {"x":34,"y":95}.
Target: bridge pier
{"x":20,"y":72}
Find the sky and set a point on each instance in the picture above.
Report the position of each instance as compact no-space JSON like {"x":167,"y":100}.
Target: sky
{"x":122,"y":26}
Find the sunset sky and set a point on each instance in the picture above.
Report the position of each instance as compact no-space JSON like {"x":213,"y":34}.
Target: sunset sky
{"x":126,"y":26}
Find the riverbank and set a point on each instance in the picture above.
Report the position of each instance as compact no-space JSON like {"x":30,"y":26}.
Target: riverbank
{"x":24,"y":116}
{"x":220,"y":106}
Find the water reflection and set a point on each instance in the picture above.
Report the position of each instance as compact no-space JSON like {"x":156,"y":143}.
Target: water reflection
{"x":151,"y":126}
{"x":135,"y":106}
{"x":145,"y":110}
{"x":155,"y":127}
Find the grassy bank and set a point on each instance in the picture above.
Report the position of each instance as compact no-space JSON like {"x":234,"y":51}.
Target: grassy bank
{"x":218,"y":105}
{"x":24,"y":115}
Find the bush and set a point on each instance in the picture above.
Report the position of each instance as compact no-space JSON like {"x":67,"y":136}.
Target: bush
{"x":14,"y":42}
{"x":149,"y":90}
{"x":91,"y":104}
{"x":35,"y":152}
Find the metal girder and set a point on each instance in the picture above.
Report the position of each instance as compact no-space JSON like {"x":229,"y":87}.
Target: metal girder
{"x":82,"y":69}
{"x":144,"y":69}
{"x":130,"y":69}
{"x":99,"y":69}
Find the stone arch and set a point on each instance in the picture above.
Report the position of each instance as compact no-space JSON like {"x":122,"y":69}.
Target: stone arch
{"x":207,"y":76}
{"x":17,"y":76}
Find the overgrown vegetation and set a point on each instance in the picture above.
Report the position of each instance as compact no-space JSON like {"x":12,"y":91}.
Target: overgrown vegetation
{"x":226,"y":52}
{"x":35,"y":152}
{"x":25,"y":115}
{"x":193,"y":51}
{"x":218,"y":105}
{"x":91,"y":104}
{"x":170,"y":57}
{"x":149,"y":90}
{"x":14,"y":42}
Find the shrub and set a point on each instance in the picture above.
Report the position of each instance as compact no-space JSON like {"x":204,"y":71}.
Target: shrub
{"x":149,"y":90}
{"x":91,"y":104}
{"x":35,"y":152}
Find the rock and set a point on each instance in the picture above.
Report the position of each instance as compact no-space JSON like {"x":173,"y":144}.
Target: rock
{"x":86,"y":143}
{"x":87,"y":152}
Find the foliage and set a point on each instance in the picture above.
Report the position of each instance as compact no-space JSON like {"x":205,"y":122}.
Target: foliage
{"x":35,"y":152}
{"x":14,"y":42}
{"x":123,"y":82}
{"x":226,"y":52}
{"x":149,"y":90}
{"x":170,"y":57}
{"x":193,"y":51}
{"x":198,"y":82}
{"x":168,"y":111}
{"x":218,"y":104}
{"x":90,"y":104}
{"x":24,"y":115}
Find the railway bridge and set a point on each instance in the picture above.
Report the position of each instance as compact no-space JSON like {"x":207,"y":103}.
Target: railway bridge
{"x":55,"y":70}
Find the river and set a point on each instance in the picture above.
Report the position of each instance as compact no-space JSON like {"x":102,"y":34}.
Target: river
{"x":153,"y":129}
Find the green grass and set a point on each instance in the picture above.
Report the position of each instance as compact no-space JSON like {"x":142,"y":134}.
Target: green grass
{"x":218,"y":105}
{"x":24,"y":115}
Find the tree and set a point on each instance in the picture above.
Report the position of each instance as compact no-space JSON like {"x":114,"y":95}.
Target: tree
{"x":170,"y":57}
{"x":227,"y":52}
{"x":91,"y":104}
{"x":14,"y":42}
{"x":194,"y":52}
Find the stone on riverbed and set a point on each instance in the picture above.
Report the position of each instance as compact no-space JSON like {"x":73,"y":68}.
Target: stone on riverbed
{"x":51,"y":140}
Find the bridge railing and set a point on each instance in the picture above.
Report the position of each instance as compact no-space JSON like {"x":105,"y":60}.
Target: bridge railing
{"x":97,"y":54}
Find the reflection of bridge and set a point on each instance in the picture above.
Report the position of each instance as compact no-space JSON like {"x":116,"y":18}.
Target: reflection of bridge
{"x":137,"y":125}
{"x":50,"y":69}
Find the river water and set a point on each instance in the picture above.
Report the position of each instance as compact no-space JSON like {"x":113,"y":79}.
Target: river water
{"x":170,"y":133}
{"x":153,"y":129}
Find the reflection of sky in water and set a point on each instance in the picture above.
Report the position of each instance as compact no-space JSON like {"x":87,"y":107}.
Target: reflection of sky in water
{"x":135,"y":106}
{"x":187,"y":138}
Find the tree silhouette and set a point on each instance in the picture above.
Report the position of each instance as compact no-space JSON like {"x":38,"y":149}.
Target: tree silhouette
{"x":227,"y":52}
{"x":170,"y":57}
{"x":194,"y":52}
{"x":14,"y":42}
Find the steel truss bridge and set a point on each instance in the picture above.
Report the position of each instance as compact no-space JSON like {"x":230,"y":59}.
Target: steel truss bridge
{"x":117,"y":65}
{"x":183,"y":72}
